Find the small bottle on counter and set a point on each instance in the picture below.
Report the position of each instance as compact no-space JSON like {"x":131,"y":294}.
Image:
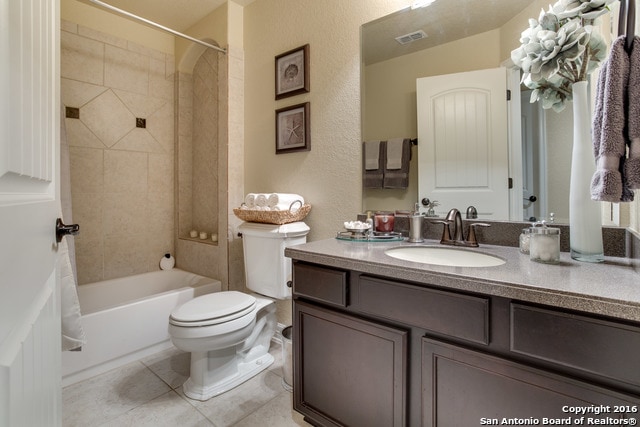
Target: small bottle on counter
{"x":525,"y":240}
{"x":544,"y":245}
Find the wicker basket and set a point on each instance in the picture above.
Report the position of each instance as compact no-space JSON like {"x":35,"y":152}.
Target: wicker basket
{"x":272,"y":217}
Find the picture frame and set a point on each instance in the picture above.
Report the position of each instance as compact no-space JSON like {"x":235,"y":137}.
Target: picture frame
{"x":292,"y":128}
{"x":292,"y":72}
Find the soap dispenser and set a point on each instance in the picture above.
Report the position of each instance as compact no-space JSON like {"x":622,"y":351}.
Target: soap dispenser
{"x":415,"y":225}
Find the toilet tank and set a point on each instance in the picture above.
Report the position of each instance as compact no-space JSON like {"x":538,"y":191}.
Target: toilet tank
{"x":267,"y":270}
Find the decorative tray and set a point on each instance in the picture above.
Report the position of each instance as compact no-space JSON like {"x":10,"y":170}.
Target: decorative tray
{"x":374,"y":236}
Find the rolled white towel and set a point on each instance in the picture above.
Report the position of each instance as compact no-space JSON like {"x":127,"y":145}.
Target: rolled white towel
{"x":283,"y":201}
{"x":250,"y":200}
{"x":261,"y":200}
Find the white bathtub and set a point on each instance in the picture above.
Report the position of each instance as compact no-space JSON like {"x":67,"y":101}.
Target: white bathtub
{"x":126,"y":319}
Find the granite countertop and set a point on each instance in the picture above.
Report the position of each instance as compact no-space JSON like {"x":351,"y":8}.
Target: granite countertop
{"x":611,"y":288}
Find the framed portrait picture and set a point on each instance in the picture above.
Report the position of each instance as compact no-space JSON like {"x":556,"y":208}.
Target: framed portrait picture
{"x":292,"y":72}
{"x":292,"y":129}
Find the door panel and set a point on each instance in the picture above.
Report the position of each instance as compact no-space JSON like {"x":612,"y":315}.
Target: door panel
{"x":29,"y":202}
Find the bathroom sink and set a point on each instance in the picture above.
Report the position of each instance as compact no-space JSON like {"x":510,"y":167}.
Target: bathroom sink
{"x":441,"y":255}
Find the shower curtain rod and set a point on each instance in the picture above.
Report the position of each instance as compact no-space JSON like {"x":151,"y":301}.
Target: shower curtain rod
{"x":154,"y":24}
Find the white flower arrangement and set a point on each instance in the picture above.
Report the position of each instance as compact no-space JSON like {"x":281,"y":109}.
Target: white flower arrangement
{"x":560,"y":48}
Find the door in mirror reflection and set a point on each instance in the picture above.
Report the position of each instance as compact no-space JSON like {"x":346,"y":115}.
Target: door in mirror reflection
{"x":462,"y":128}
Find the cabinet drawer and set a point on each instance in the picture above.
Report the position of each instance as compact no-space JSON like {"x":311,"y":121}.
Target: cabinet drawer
{"x":596,"y":346}
{"x":461,"y":316}
{"x":320,"y":284}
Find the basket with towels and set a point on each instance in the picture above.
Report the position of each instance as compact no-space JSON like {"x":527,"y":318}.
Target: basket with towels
{"x":273,"y":208}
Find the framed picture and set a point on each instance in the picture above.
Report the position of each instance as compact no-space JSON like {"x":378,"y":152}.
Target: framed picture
{"x":292,"y":129}
{"x":292,"y":72}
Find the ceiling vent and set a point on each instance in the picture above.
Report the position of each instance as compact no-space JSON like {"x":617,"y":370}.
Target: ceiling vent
{"x":411,"y":37}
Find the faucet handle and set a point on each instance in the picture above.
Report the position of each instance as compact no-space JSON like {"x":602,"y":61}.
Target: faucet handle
{"x":446,"y":234}
{"x":472,"y":212}
{"x":472,"y":240}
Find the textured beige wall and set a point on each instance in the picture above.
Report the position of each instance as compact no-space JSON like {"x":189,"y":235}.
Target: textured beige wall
{"x":511,"y":31}
{"x":328,"y":176}
{"x":211,"y":28}
{"x":107,"y":22}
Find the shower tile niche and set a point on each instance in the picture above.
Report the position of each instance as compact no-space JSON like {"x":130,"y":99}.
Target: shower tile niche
{"x":198,"y":119}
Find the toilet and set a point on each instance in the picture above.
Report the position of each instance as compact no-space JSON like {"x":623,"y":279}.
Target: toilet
{"x":229,"y":333}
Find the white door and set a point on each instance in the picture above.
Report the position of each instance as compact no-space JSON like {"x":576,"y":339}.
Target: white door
{"x":463,"y":147}
{"x":533,"y":159}
{"x":29,"y":198}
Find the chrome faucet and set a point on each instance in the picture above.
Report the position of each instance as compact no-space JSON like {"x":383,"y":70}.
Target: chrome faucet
{"x":455,"y":218}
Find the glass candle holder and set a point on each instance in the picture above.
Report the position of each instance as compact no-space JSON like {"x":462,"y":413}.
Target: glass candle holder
{"x":384,"y":221}
{"x":545,"y":244}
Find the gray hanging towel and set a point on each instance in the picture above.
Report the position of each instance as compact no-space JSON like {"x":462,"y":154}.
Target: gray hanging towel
{"x":396,"y":171}
{"x":373,"y":156}
{"x":631,"y":171}
{"x":609,"y":121}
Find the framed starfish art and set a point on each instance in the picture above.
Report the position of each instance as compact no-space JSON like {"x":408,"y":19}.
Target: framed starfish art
{"x":292,"y":129}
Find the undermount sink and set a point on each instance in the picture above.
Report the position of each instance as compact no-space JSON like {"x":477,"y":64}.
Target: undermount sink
{"x":441,"y":255}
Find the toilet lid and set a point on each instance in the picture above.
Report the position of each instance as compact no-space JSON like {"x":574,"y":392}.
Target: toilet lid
{"x":209,"y":309}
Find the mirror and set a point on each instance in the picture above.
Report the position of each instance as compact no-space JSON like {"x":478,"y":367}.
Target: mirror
{"x":461,"y":36}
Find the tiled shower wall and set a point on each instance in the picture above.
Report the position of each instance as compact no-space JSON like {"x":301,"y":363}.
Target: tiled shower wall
{"x":122,"y":176}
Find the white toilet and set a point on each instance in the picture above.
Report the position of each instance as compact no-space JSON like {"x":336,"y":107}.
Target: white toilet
{"x":229,"y":333}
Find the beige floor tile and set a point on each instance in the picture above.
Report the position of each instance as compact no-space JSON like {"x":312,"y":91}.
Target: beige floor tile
{"x":277,"y":412}
{"x":140,"y":395}
{"x":107,"y":396}
{"x":168,"y":410}
{"x":171,"y":365}
{"x":230,"y":407}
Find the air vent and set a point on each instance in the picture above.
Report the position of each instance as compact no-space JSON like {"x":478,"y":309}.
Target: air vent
{"x":411,"y":37}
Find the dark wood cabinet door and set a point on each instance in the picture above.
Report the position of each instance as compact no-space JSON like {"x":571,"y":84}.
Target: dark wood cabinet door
{"x":461,"y":387}
{"x":348,"y":371}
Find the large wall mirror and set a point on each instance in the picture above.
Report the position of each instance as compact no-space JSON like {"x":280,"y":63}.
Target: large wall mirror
{"x":463,"y":36}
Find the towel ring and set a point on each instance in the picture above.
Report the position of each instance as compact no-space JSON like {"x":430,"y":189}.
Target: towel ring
{"x":627,"y":21}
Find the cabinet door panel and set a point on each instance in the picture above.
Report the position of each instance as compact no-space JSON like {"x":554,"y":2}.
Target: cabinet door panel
{"x":350,"y":368}
{"x":461,"y":387}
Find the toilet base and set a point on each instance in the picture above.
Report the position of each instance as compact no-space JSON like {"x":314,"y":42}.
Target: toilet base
{"x":246,"y":371}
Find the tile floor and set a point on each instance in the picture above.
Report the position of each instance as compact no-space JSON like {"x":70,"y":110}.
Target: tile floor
{"x":149,"y":393}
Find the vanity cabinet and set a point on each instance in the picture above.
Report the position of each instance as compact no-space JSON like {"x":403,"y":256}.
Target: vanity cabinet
{"x":372,"y":350}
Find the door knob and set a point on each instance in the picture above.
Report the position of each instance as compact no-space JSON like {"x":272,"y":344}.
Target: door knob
{"x":63,"y":230}
{"x":531,"y":199}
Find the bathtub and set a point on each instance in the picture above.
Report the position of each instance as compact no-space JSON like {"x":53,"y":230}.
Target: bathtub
{"x":126,"y":319}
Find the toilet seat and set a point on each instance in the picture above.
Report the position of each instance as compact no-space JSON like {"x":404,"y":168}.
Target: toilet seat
{"x":213,"y":309}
